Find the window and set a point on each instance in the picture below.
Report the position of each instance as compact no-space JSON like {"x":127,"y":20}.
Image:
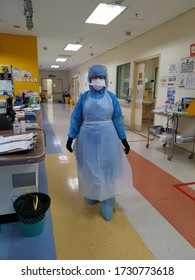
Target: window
{"x":123,"y":77}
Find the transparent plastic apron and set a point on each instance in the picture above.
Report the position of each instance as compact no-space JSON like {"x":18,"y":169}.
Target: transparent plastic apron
{"x":103,"y":168}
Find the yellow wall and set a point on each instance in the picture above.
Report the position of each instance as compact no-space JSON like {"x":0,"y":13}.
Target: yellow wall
{"x":21,"y":52}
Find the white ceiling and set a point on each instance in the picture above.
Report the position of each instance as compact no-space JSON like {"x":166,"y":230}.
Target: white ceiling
{"x":59,"y":22}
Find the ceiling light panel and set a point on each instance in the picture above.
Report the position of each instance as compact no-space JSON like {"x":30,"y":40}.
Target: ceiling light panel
{"x":60,"y":59}
{"x":55,"y":66}
{"x":73,"y":47}
{"x":105,"y":13}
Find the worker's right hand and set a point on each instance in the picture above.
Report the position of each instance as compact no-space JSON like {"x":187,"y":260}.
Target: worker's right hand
{"x":126,"y":146}
{"x":69,"y":144}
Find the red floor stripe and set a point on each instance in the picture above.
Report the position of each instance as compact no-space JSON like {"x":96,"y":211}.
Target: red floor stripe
{"x":186,"y":191}
{"x":156,"y":186}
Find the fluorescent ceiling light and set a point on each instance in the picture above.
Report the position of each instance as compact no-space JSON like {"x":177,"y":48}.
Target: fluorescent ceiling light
{"x":105,"y":13}
{"x":73,"y":47}
{"x":61,"y":59}
{"x":54,"y":66}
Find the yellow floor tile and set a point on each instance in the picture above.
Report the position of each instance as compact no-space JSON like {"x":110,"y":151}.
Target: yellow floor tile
{"x":79,"y":230}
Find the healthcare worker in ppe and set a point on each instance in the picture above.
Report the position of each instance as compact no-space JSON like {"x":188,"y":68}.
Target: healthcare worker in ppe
{"x":100,"y":144}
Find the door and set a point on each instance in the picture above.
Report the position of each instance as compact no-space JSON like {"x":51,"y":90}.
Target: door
{"x":57,"y":90}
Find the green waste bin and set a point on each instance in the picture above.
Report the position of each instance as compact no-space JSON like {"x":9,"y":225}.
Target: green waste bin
{"x":31,"y":209}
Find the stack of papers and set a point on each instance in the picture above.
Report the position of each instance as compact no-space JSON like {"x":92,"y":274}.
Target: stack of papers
{"x":17,"y":143}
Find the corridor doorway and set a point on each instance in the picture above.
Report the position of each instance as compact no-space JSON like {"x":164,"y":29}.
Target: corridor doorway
{"x":52,"y":89}
{"x":75,"y":90}
{"x":144,"y":93}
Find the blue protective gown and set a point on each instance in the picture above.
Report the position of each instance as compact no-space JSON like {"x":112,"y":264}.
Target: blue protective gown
{"x":103,"y":168}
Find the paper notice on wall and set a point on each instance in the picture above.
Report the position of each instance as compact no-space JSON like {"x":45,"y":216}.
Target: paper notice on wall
{"x":5,"y":85}
{"x":173,"y":69}
{"x":16,"y":72}
{"x":187,"y":73}
{"x":171,"y":95}
{"x":172,"y":80}
{"x":139,"y":93}
{"x":26,"y":74}
{"x":163,"y":81}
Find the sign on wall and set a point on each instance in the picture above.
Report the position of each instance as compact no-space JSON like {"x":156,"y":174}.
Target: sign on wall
{"x":187,"y":73}
{"x":6,"y":83}
{"x":192,"y":50}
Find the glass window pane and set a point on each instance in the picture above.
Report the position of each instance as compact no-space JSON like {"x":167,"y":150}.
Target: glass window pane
{"x":123,"y":77}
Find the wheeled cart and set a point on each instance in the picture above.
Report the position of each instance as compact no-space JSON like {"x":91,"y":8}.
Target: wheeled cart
{"x":170,"y":133}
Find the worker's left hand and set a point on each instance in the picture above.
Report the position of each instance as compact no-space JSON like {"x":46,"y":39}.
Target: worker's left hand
{"x":69,"y":144}
{"x":126,"y":146}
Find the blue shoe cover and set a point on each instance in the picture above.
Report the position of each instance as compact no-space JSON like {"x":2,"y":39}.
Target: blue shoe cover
{"x":91,"y":201}
{"x":107,"y":208}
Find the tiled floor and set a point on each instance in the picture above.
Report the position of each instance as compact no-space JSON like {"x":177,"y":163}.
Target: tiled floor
{"x":156,"y":222}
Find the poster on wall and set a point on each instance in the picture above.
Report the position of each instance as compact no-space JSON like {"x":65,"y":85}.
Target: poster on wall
{"x":192,"y":50}
{"x":171,"y":95}
{"x":16,"y":72}
{"x":187,"y":73}
{"x":171,"y":79}
{"x":173,"y":75}
{"x":173,"y":69}
{"x":163,"y":81}
{"x":6,"y":83}
{"x":26,"y":74}
{"x":5,"y":72}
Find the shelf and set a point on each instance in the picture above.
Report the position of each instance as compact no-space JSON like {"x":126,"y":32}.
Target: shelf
{"x":170,"y":133}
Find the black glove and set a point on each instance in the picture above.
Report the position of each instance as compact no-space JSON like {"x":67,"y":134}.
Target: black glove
{"x":69,"y":144}
{"x":126,"y":146}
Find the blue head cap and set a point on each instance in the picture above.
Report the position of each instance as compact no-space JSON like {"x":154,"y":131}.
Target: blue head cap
{"x":97,"y":70}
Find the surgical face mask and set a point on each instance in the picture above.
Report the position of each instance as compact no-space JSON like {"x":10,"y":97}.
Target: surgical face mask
{"x":98,"y":84}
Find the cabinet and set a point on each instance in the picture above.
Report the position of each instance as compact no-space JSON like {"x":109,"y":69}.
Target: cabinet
{"x":19,"y":174}
{"x":170,"y":133}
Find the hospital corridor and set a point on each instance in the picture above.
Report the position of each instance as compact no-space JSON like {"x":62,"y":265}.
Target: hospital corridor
{"x":157,"y":222}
